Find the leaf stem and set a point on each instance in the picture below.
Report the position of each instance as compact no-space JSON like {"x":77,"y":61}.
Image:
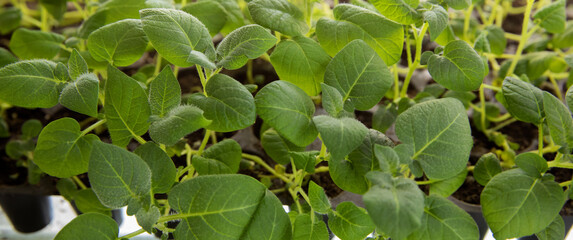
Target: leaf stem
{"x":93,"y":126}
{"x":497,"y":89}
{"x":157,"y":65}
{"x":307,"y":199}
{"x":79,"y":182}
{"x":188,"y":159}
{"x":44,"y":17}
{"x":503,"y":124}
{"x":202,"y":77}
{"x":204,"y":142}
{"x":426,"y":182}
{"x":260,"y":161}
{"x":482,"y":109}
{"x":250,"y":79}
{"x":419,"y":39}
{"x":565,"y":184}
{"x":133,"y":234}
{"x":396,"y":81}
{"x":467,"y":14}
{"x":80,"y":10}
{"x":523,"y":38}
{"x":540,"y":138}
{"x":556,"y":87}
{"x":139,"y":139}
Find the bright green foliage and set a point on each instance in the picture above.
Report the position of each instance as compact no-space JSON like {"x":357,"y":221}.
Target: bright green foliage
{"x":332,"y":100}
{"x":359,"y":74}
{"x":228,"y":207}
{"x":31,"y":129}
{"x":559,"y":121}
{"x":146,"y":219}
{"x":287,"y":109}
{"x":10,"y":19}
{"x":318,"y":199}
{"x":81,"y":95}
{"x":179,"y":122}
{"x":442,"y":219}
{"x":388,"y":160}
{"x":395,"y":205}
{"x":210,"y":13}
{"x":31,"y":44}
{"x":523,"y":100}
{"x":440,"y":135}
{"x":221,"y":158}
{"x":200,"y":59}
{"x":486,"y":168}
{"x":77,"y":66}
{"x":278,"y":15}
{"x":185,"y":33}
{"x":384,"y":36}
{"x":67,"y":188}
{"x":247,"y":42}
{"x":569,"y":97}
{"x":164,"y":93}
{"x":126,"y":107}
{"x":32,"y":83}
{"x":227,"y":103}
{"x":62,"y":150}
{"x":89,"y":226}
{"x":302,"y":62}
{"x":87,"y":201}
{"x":448,"y":186}
{"x":113,"y":11}
{"x":538,"y":198}
{"x":304,"y":160}
{"x":277,"y":147}
{"x":458,"y":4}
{"x":555,"y":230}
{"x":532,"y":164}
{"x":552,"y":17}
{"x":56,"y":8}
{"x":496,"y":39}
{"x":306,"y":228}
{"x":401,"y":11}
{"x":120,"y":43}
{"x":350,"y":222}
{"x":6,"y":57}
{"x":162,"y":168}
{"x":118,"y":176}
{"x":564,"y":39}
{"x":460,"y":68}
{"x":437,"y":18}
{"x":340,"y":136}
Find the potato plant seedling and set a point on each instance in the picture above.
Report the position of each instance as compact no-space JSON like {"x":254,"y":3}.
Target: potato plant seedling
{"x":343,"y":58}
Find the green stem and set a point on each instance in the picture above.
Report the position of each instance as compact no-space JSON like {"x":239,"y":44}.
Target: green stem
{"x":139,"y":139}
{"x":204,"y":142}
{"x":133,"y":234}
{"x":523,"y":38}
{"x":260,"y":161}
{"x":157,"y":65}
{"x":565,"y":184}
{"x":419,"y":39}
{"x":202,"y":77}
{"x":80,"y":9}
{"x":503,"y":124}
{"x":497,"y":89}
{"x":540,"y":138}
{"x":467,"y":14}
{"x":556,"y":87}
{"x":396,"y":82}
{"x":250,"y":79}
{"x":482,"y":109}
{"x":188,"y":159}
{"x":44,"y":17}
{"x":307,"y":199}
{"x":321,"y":169}
{"x":501,"y":118}
{"x":79,"y":182}
{"x":93,"y":126}
{"x":426,"y":182}
{"x":558,"y":164}
{"x":183,"y":3}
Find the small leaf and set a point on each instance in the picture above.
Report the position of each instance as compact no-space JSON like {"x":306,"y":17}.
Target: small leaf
{"x":555,"y":230}
{"x":163,"y":170}
{"x":31,"y":44}
{"x":82,"y":95}
{"x":278,"y":15}
{"x":564,"y":39}
{"x":359,"y":74}
{"x":185,"y":33}
{"x":559,"y":121}
{"x":31,"y":129}
{"x":178,"y":123}
{"x":287,"y":109}
{"x":350,"y":222}
{"x":496,"y":39}
{"x":395,"y":205}
{"x":146,"y":219}
{"x":523,"y":100}
{"x":340,"y":136}
{"x":61,"y":150}
{"x":234,"y":15}
{"x":87,"y":201}
{"x":448,"y":186}
{"x":437,"y":17}
{"x":486,"y":168}
{"x":305,"y":228}
{"x":304,"y":160}
{"x":67,"y":188}
{"x":532,"y":164}
{"x":209,"y":12}
{"x":10,"y":17}
{"x":126,"y":107}
{"x":301,"y":61}
{"x":6,"y":57}
{"x":164,"y":93}
{"x":332,"y":100}
{"x":196,"y":57}
{"x":552,"y":17}
{"x":77,"y":66}
{"x":277,"y":147}
{"x":384,"y":117}
{"x":247,"y":42}
{"x":221,"y":158}
{"x":401,"y":11}
{"x":121,"y":43}
{"x":318,"y":199}
{"x":56,"y":8}
{"x":89,"y":226}
{"x":118,"y":176}
{"x":387,"y":159}
{"x":460,"y":68}
{"x":458,"y":4}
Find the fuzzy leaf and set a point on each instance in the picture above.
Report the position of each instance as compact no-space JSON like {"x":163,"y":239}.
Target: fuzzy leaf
{"x":552,"y":17}
{"x":305,"y":228}
{"x":340,"y":136}
{"x":278,"y":15}
{"x":523,"y":100}
{"x":277,"y":147}
{"x":31,"y":44}
{"x":196,"y":57}
{"x":86,"y":201}
{"x":486,"y":168}
{"x":146,"y":219}
{"x":162,"y":168}
{"x":438,"y":18}
{"x":555,"y":230}
{"x":559,"y":121}
{"x":179,"y":122}
{"x":350,"y":222}
{"x":164,"y":93}
{"x":458,"y":4}
{"x":211,"y":13}
{"x":531,"y":163}
{"x":448,"y":186}
{"x":221,"y":158}
{"x":401,"y":11}
{"x":121,"y":43}
{"x":460,"y":68}
{"x":77,"y":66}
{"x":82,"y":95}
{"x":318,"y":199}
{"x":89,"y":226}
{"x":247,"y":42}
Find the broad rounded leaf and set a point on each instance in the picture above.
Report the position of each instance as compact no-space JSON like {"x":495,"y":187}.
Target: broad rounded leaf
{"x":350,"y":222}
{"x":287,"y":109}
{"x":221,"y":158}
{"x":118,"y":176}
{"x":486,"y":168}
{"x":531,"y":163}
{"x":82,"y":95}
{"x":278,"y":15}
{"x":552,"y":17}
{"x":559,"y":121}
{"x":77,"y":65}
{"x":277,"y":147}
{"x":523,"y":100}
{"x":121,"y":43}
{"x":211,"y":13}
{"x":164,"y":93}
{"x":318,"y":199}
{"x":458,"y":4}
{"x":359,"y":74}
{"x":496,"y":39}
{"x":179,"y":122}
{"x":162,"y":168}
{"x":384,"y":36}
{"x":304,"y":228}
{"x":512,"y":197}
{"x":89,"y":226}
{"x":228,"y":207}
{"x":31,"y":84}
{"x":61,"y":150}
{"x":86,"y":201}
{"x":185,"y":33}
{"x":146,"y":219}
{"x":332,"y":100}
{"x":301,"y":61}
{"x":30,"y":44}
{"x":555,"y":230}
{"x":448,"y":186}
{"x":10,"y":17}
{"x":247,"y":42}
{"x":438,"y":18}
{"x":440,"y":134}
{"x":340,"y":136}
{"x":112,"y":11}
{"x":460,"y":68}
{"x":6,"y":57}
{"x":401,"y":11}
{"x":200,"y":59}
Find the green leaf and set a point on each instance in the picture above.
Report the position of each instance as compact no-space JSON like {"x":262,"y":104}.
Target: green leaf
{"x":340,"y":136}
{"x":61,"y":150}
{"x":559,"y":121}
{"x":229,"y":104}
{"x":384,"y":36}
{"x":10,"y":19}
{"x":234,"y":14}
{"x":179,"y":122}
{"x":118,"y":176}
{"x":532,"y":164}
{"x":164,"y":93}
{"x":349,"y":174}
{"x":564,"y":39}
{"x":56,"y":8}
{"x":440,"y":135}
{"x":458,"y":4}
{"x":448,"y":186}
{"x":569,"y":97}
{"x":6,"y":57}
{"x":446,"y":36}
{"x":395,"y":205}
{"x":77,"y":66}
{"x":31,"y":84}
{"x":121,"y":43}
{"x":277,"y":147}
{"x":200,"y":59}
{"x":442,"y":219}
{"x":221,"y":158}
{"x":350,"y":222}
{"x":496,"y":39}
{"x":304,"y":160}
{"x":551,"y":17}
{"x":388,"y":160}
{"x":555,"y":230}
{"x":401,"y":11}
{"x":162,"y":168}
{"x":318,"y":199}
{"x":82,"y":95}
{"x":332,"y":100}
{"x":185,"y":33}
{"x":31,"y":129}
{"x":244,"y":43}
{"x":437,"y":17}
{"x":301,"y":61}
{"x":146,"y":219}
{"x":287,"y":109}
{"x":114,"y":10}
{"x":486,"y":168}
{"x":31,"y":44}
{"x":278,"y":15}
{"x":67,"y":188}
{"x":87,"y":201}
{"x":531,"y":198}
{"x":359,"y":75}
{"x":305,"y":228}
{"x":523,"y":100}
{"x":210,"y":13}
{"x":89,"y":226}
{"x":384,"y":117}
{"x":460,"y":68}
{"x":4,"y":129}
{"x":126,"y":107}
{"x":228,"y":207}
